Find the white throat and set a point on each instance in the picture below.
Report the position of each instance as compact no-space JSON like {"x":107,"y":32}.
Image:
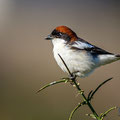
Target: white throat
{"x":57,"y":42}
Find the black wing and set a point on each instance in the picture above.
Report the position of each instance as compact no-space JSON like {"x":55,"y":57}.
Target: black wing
{"x":81,"y":44}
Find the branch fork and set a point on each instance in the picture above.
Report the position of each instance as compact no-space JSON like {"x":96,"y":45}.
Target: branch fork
{"x":86,"y":100}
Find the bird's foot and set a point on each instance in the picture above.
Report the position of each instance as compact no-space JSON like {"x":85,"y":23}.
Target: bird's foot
{"x":72,"y":78}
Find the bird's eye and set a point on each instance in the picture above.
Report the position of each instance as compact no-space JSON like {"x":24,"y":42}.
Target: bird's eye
{"x":57,"y":34}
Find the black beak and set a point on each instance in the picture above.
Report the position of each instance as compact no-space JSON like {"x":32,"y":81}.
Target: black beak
{"x":49,"y":37}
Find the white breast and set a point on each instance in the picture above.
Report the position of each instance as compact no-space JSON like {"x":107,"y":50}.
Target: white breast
{"x":79,"y":62}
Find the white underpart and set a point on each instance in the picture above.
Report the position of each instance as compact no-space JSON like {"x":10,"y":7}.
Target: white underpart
{"x":79,"y":62}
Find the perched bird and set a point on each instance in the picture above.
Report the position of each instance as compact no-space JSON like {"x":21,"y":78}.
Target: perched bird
{"x":81,"y":57}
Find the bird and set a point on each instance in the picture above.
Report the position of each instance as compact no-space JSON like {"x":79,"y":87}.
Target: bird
{"x":80,"y":56}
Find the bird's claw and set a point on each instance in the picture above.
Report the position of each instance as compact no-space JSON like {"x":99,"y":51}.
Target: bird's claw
{"x":72,"y":77}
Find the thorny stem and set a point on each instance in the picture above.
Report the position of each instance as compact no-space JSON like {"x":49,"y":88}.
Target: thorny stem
{"x":85,"y":99}
{"x":80,"y":91}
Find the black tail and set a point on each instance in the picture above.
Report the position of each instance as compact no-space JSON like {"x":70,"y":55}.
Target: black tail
{"x":118,"y":55}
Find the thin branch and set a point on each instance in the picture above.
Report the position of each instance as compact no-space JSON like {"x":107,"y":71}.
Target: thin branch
{"x":90,"y":97}
{"x":71,"y":114}
{"x":51,"y":84}
{"x":89,"y":94}
{"x":65,"y":65}
{"x":105,"y":113}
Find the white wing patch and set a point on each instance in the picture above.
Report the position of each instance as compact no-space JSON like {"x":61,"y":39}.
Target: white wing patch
{"x":82,"y":45}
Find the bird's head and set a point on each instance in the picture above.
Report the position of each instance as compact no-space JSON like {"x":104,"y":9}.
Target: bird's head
{"x":62,"y":33}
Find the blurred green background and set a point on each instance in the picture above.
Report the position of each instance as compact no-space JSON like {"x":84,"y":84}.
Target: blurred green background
{"x":27,"y":63}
